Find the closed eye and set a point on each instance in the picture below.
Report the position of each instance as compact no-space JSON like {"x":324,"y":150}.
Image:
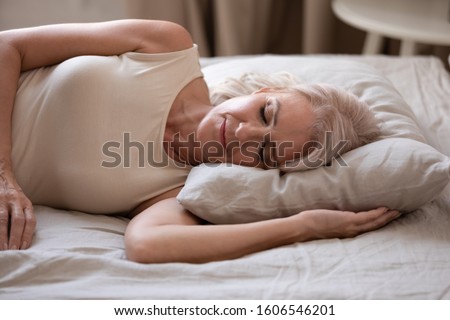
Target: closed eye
{"x":269,"y":112}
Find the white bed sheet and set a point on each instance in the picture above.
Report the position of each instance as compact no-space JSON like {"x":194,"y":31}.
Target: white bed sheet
{"x":80,"y":256}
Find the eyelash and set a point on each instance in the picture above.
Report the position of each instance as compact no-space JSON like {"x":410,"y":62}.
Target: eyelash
{"x":263,"y":116}
{"x":262,"y":113}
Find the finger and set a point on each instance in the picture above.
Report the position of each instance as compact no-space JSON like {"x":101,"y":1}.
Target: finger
{"x":4,"y":219}
{"x":369,"y":216}
{"x":17,"y":224}
{"x":388,"y":217}
{"x":381,"y":221}
{"x":30,"y":226}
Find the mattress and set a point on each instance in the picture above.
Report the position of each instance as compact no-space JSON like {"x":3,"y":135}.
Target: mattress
{"x":80,"y":256}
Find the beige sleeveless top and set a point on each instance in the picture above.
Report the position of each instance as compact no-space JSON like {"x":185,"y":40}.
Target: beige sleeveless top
{"x":88,"y":133}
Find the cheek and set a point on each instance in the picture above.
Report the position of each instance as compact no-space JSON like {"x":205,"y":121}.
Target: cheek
{"x":207,"y":129}
{"x":289,"y":150}
{"x":244,"y":155}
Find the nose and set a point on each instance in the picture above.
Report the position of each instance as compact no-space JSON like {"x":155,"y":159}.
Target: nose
{"x":250,"y":132}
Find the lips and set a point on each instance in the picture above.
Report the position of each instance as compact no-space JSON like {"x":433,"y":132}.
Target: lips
{"x":223,"y":140}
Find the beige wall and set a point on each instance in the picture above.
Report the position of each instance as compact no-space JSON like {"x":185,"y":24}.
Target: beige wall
{"x":296,"y":26}
{"x":26,"y":13}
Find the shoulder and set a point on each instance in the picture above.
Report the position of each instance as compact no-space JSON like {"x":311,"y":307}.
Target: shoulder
{"x":164,"y":36}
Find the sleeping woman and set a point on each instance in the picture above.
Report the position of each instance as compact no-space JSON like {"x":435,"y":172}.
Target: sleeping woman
{"x":108,"y":118}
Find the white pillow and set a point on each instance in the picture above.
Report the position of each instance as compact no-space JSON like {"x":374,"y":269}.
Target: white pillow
{"x":399,"y":171}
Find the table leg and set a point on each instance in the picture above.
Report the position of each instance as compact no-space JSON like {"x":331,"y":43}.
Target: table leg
{"x":372,"y":43}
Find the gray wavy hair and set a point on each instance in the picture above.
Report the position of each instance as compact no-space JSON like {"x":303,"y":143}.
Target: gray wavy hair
{"x":339,"y":115}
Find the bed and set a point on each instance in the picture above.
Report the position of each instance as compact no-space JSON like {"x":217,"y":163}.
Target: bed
{"x":81,"y":256}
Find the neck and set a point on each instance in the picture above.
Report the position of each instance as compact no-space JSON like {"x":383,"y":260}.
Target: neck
{"x":188,"y":110}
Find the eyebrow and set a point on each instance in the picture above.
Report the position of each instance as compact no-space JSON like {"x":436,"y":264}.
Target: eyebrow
{"x":276,"y":110}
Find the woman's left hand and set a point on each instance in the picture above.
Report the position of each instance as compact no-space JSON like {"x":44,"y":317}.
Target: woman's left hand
{"x":17,"y":219}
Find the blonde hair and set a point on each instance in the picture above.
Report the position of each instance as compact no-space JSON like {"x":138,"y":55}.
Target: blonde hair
{"x":339,"y":115}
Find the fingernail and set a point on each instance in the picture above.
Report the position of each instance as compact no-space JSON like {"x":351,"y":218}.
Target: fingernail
{"x":5,"y":246}
{"x":24,"y":245}
{"x":14,"y":247}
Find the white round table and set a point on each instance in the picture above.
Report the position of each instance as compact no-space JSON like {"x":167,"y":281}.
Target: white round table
{"x":411,"y":21}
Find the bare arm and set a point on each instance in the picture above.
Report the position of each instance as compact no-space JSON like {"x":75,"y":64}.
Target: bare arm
{"x":165,"y":232}
{"x":29,"y":48}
